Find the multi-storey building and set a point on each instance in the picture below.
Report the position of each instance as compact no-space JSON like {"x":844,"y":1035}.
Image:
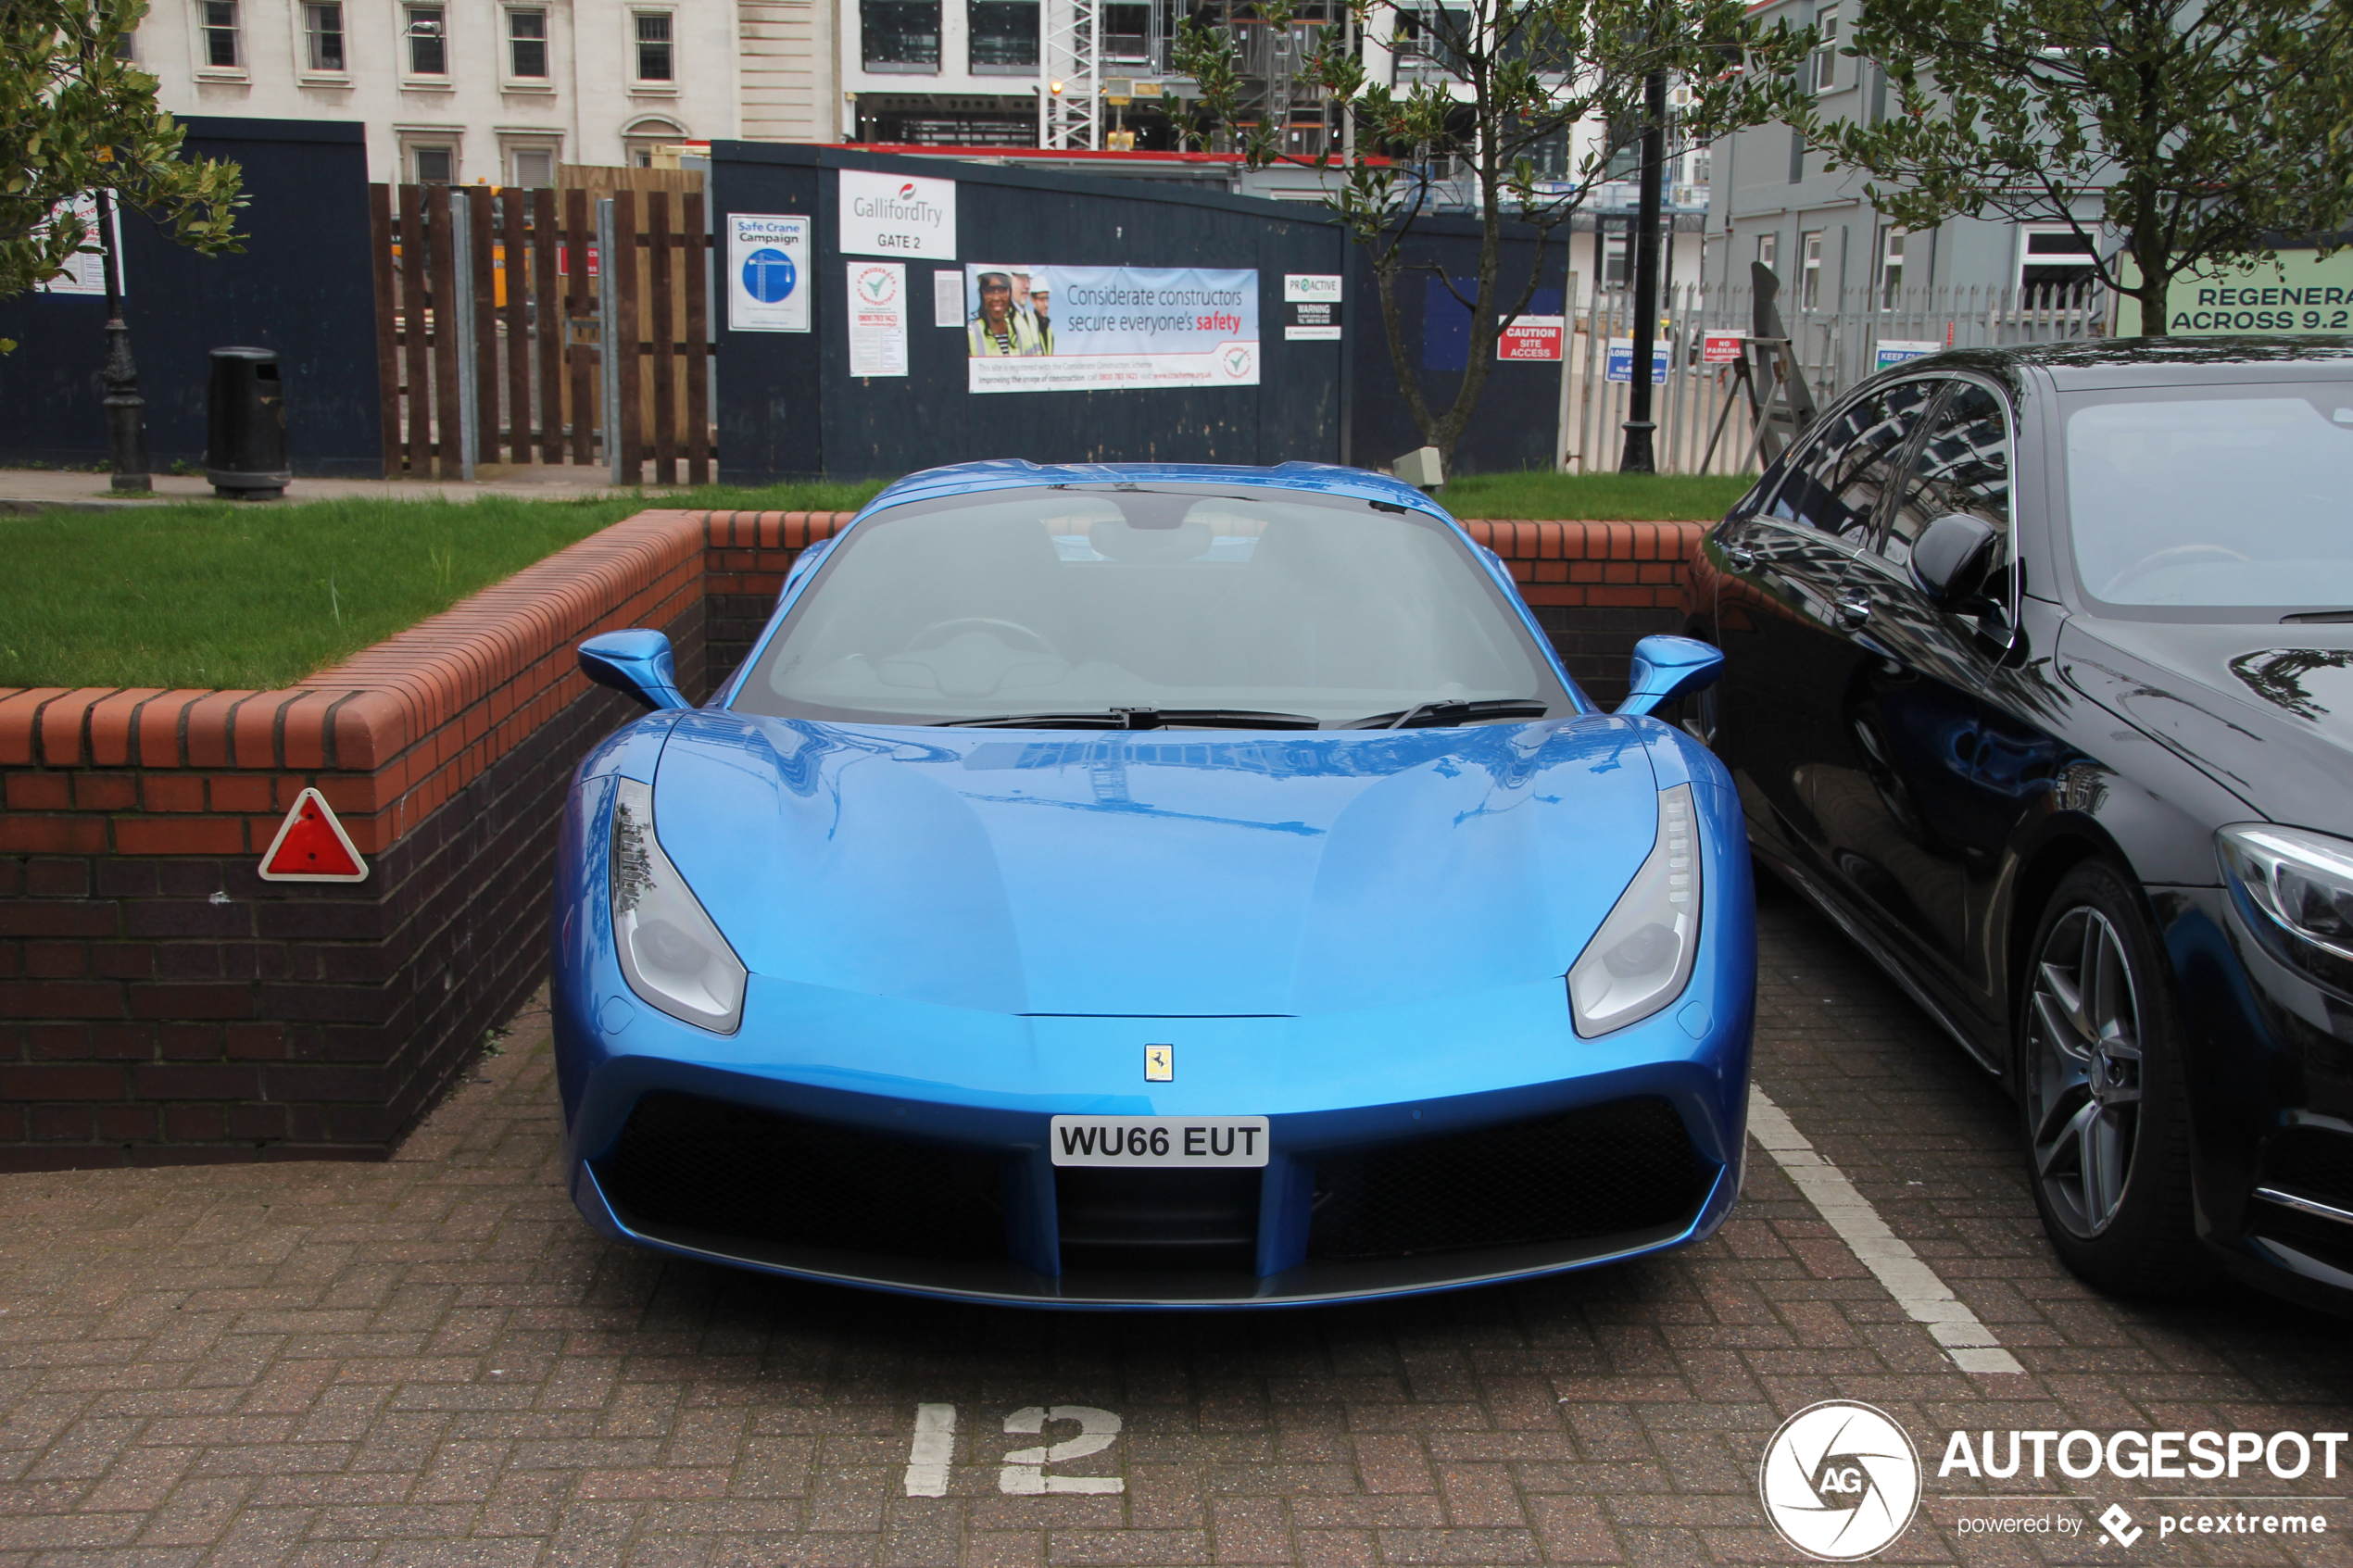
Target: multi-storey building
{"x":1775,"y":201}
{"x":501,"y":91}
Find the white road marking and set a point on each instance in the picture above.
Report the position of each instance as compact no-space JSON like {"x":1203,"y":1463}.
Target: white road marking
{"x":1025,"y":1471}
{"x":1927,"y":1300}
{"x":934,"y":1450}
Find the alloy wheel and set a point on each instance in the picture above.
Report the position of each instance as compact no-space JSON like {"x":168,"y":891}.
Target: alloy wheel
{"x":2085,"y":1074}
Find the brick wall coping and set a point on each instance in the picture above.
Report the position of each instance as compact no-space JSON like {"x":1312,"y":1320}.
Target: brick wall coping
{"x":396,"y":729}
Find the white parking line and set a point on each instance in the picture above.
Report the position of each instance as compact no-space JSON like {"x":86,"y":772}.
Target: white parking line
{"x":1927,"y":1300}
{"x":934,"y":1450}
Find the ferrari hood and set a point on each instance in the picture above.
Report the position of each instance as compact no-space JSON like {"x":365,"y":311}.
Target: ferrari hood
{"x":1157,"y":873}
{"x":2266,"y":710}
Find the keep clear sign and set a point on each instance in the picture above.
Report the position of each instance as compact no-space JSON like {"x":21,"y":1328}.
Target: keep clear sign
{"x":1093,"y":329}
{"x":877,"y":318}
{"x":767,"y":273}
{"x":891,"y":215}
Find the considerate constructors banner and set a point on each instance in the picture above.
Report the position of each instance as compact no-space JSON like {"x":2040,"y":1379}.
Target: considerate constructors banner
{"x":1088,"y":329}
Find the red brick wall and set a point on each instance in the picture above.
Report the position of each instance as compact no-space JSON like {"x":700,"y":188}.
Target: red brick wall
{"x":160,"y":1003}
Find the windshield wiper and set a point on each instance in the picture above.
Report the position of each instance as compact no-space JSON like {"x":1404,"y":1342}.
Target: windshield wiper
{"x":1425,"y":713}
{"x":1139,"y":718}
{"x":2317,"y":618}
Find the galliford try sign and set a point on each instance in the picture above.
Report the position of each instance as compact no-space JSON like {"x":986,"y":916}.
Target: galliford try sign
{"x":895,"y":215}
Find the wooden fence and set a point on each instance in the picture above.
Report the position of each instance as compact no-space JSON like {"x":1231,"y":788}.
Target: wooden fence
{"x":506,"y":361}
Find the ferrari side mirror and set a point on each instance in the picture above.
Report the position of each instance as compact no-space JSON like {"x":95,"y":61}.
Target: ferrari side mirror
{"x":1667,"y":667}
{"x":1953,"y":554}
{"x":636,"y":662}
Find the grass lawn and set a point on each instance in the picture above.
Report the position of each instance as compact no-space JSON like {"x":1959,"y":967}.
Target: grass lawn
{"x":224,"y":594}
{"x":1615,"y":498}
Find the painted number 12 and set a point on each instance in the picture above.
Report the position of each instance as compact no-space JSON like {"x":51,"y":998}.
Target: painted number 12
{"x":1024,"y":1471}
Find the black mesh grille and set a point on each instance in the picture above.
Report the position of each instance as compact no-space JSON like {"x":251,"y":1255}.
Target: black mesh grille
{"x":1151,"y":1220}
{"x":2312,"y":1161}
{"x":1625,"y":1166}
{"x":726,"y":1169}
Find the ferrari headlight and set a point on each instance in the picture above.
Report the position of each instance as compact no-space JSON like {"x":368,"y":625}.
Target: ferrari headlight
{"x":2299,"y":885}
{"x":672,"y":953}
{"x":1641,"y":959}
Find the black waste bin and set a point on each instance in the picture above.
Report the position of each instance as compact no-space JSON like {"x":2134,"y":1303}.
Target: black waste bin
{"x":244,"y":455}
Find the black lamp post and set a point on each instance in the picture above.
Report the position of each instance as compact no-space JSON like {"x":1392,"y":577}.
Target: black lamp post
{"x":1637,"y":456}
{"x":126,"y":410}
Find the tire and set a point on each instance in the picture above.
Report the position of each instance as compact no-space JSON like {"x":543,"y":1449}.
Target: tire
{"x":2101,"y":1086}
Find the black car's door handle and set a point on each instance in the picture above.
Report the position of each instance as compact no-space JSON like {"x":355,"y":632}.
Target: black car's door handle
{"x":1853,"y":608}
{"x":1739,"y":557}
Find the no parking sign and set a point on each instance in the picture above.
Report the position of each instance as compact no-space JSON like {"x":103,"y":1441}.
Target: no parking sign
{"x":767,"y":273}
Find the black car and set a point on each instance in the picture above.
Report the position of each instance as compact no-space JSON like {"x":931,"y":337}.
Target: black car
{"x":2039,"y":682}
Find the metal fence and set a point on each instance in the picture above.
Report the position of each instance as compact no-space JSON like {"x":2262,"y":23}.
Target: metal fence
{"x":1696,"y":405}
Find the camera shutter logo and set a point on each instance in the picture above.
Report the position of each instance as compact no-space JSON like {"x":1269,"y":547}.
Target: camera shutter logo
{"x":1840,"y":1481}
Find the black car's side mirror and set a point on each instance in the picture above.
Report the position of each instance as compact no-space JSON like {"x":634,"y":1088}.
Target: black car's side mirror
{"x":1953,"y":556}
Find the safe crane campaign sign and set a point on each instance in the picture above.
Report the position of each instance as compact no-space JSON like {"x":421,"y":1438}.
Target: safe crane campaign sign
{"x":767,"y":273}
{"x":1091,"y":328}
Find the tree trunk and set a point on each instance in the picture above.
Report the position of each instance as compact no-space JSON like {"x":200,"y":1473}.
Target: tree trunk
{"x":2151,"y":296}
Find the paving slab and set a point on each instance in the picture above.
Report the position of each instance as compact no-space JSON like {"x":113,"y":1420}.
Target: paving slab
{"x":432,"y":1362}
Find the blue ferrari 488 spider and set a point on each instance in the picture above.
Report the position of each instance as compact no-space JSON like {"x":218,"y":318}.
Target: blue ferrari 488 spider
{"x":1153,"y":885}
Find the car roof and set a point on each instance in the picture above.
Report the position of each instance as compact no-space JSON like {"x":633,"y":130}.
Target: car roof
{"x":1327,"y":479}
{"x":2090,"y":363}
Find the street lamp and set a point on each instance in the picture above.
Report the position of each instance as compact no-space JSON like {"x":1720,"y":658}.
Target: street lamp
{"x":126,"y":410}
{"x":1636,"y":459}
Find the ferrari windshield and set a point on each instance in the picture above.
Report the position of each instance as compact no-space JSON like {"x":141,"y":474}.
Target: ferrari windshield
{"x":2214,"y":496}
{"x":1066,"y":601}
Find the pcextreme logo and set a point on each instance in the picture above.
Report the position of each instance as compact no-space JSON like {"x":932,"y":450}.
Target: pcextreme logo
{"x":1839,"y":1480}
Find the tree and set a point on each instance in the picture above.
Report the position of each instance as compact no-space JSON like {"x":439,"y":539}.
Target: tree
{"x":76,"y":116}
{"x":2209,"y":128}
{"x":1509,"y":85}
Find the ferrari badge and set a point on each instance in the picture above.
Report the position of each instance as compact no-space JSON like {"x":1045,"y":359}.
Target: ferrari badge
{"x":1160,"y":1064}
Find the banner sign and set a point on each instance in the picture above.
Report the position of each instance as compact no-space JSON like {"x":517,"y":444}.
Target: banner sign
{"x":767,"y":273}
{"x":1311,"y":300}
{"x":877,"y":318}
{"x":1094,"y":329}
{"x":2298,"y":291}
{"x":891,"y":215}
{"x":1620,"y":364}
{"x":1721,"y":348}
{"x":1532,"y":337}
{"x":1896,"y":350}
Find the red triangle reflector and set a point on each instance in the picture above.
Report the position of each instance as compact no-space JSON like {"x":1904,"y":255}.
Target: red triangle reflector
{"x":312,"y":846}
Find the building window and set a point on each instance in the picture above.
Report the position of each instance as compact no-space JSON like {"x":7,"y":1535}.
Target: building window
{"x":1809,"y":269}
{"x":322,"y":30}
{"x":428,"y":32}
{"x":534,"y":167}
{"x":654,"y":61}
{"x":126,"y":48}
{"x":221,"y":51}
{"x":435,"y":164}
{"x":1614,"y":268}
{"x":1826,"y":54}
{"x":899,"y":35}
{"x":2055,"y":259}
{"x":528,"y":44}
{"x":1004,"y":36}
{"x":1891,"y":266}
{"x":1769,"y":253}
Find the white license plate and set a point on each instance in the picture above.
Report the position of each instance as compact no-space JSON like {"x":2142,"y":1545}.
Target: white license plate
{"x":1154,"y":1142}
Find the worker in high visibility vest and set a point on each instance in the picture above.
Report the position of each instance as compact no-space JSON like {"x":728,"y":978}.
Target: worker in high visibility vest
{"x":999,"y":330}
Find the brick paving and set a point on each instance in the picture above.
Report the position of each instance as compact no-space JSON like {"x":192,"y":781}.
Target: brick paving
{"x":432,"y":1362}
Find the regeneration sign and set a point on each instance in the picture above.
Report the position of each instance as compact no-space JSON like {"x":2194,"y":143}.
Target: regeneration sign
{"x":1094,"y":329}
{"x":892,"y":215}
{"x":767,"y":273}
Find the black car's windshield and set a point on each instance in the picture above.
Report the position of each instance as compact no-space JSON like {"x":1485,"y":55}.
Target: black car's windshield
{"x":1071,"y":602}
{"x":2214,"y":498}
